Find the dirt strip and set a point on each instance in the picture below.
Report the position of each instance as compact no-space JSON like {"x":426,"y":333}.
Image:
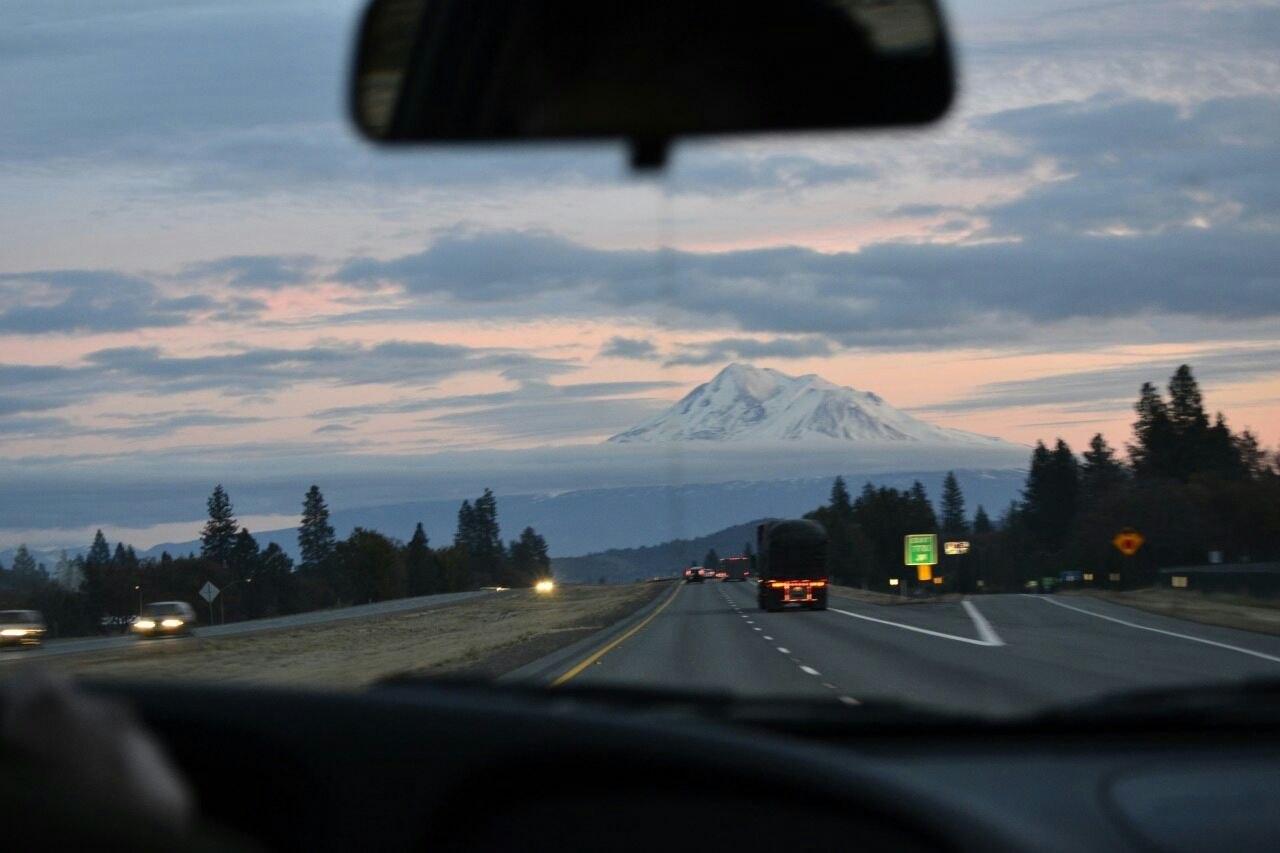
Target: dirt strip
{"x":1229,"y":611}
{"x":483,"y":637}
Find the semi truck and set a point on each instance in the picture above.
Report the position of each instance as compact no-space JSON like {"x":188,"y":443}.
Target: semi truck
{"x":735,"y":568}
{"x":792,"y":565}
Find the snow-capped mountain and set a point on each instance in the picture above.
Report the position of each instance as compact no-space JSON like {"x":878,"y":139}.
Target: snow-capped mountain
{"x":746,"y":403}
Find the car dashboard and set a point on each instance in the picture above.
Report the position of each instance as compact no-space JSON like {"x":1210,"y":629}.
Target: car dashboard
{"x":415,"y":767}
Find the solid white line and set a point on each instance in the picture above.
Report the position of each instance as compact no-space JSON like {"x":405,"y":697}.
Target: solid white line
{"x":985,"y":631}
{"x":784,"y":651}
{"x":1226,"y":646}
{"x":810,"y":670}
{"x":938,"y":634}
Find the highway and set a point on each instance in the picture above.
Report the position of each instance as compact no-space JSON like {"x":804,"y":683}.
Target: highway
{"x":76,"y":645}
{"x":994,"y":654}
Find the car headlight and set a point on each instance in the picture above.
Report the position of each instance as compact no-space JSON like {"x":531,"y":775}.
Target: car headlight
{"x":171,"y":623}
{"x":545,"y":586}
{"x":14,"y":632}
{"x":144,"y":624}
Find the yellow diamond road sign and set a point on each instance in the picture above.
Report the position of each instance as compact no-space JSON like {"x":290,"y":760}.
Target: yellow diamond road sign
{"x":1128,"y":541}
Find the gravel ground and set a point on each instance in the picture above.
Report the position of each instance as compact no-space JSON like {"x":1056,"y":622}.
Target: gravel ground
{"x":483,"y":636}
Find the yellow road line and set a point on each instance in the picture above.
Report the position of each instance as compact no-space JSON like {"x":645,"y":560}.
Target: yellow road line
{"x":595,"y":657}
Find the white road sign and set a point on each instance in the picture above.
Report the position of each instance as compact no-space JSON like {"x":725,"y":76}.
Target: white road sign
{"x":209,"y":592}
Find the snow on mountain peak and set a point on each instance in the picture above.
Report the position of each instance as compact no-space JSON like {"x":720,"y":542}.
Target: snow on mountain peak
{"x":747,"y":403}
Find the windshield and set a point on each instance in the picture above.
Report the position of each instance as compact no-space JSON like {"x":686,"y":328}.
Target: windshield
{"x":478,"y":410}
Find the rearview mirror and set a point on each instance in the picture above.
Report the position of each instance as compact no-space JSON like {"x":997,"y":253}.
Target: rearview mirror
{"x":648,"y":71}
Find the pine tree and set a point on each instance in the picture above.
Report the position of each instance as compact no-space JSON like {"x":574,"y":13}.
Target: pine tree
{"x":954,"y":520}
{"x":922,"y":517}
{"x":315,"y":533}
{"x":420,"y":566}
{"x":219,"y":534}
{"x":1101,"y":474}
{"x":981,"y":522}
{"x":1051,"y":495}
{"x":529,"y":558}
{"x":24,"y":565}
{"x":244,"y":554}
{"x":711,"y":561}
{"x":99,"y":552}
{"x":1152,"y":451}
{"x":465,"y":535}
{"x":841,"y":503}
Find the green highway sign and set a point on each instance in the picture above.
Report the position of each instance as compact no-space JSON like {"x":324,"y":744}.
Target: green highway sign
{"x":920,"y":549}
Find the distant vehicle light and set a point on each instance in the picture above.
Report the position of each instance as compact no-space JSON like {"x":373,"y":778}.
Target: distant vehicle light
{"x":144,"y":624}
{"x":544,"y":586}
{"x":171,"y":623}
{"x":14,"y":632}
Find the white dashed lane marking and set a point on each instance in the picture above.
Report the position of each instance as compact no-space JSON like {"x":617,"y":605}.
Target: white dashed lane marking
{"x":809,"y":670}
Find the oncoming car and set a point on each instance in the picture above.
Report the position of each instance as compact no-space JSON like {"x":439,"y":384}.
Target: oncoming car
{"x":165,"y":619}
{"x":21,"y":627}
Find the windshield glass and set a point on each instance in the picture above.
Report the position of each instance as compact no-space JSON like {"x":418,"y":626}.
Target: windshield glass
{"x":477,"y":410}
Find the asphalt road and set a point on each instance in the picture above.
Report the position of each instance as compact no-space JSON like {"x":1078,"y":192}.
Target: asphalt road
{"x":77,"y":645}
{"x":989,"y":654}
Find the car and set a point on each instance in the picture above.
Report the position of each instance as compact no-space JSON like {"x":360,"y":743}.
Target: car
{"x":22,"y":627}
{"x":694,"y":574}
{"x":165,"y":619}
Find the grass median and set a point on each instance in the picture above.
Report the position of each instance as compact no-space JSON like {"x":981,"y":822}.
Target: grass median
{"x":482,"y":636}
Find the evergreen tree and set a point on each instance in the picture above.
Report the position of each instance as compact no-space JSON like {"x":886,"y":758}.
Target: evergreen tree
{"x":1051,"y":495}
{"x":841,"y":503}
{"x":1219,"y":453}
{"x":273,"y":583}
{"x":99,"y":552}
{"x":529,"y":558}
{"x":219,"y":534}
{"x":711,"y":560}
{"x":315,"y":533}
{"x":1253,"y":459}
{"x":981,"y":523}
{"x":954,"y":520}
{"x":372,"y":564}
{"x":1151,"y":454}
{"x":24,"y":565}
{"x":921,"y":510}
{"x":420,"y":567}
{"x":1101,"y":474}
{"x":465,"y":535}
{"x":243,"y":559}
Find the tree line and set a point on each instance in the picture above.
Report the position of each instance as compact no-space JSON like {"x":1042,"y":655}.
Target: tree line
{"x":83,"y":592}
{"x":1189,"y":484}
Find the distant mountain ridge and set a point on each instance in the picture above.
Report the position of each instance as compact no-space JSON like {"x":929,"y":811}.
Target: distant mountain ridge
{"x":747,"y":403}
{"x":593,"y":520}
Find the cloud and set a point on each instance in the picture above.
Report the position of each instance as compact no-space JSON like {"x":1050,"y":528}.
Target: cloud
{"x":528,"y":392}
{"x":734,"y":349}
{"x":1095,"y":390}
{"x":1140,"y":166}
{"x":893,"y":295}
{"x":46,"y":301}
{"x":242,"y":373}
{"x":268,"y":272}
{"x":636,"y":348}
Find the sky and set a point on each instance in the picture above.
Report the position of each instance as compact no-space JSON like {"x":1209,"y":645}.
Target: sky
{"x":205,"y":273}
